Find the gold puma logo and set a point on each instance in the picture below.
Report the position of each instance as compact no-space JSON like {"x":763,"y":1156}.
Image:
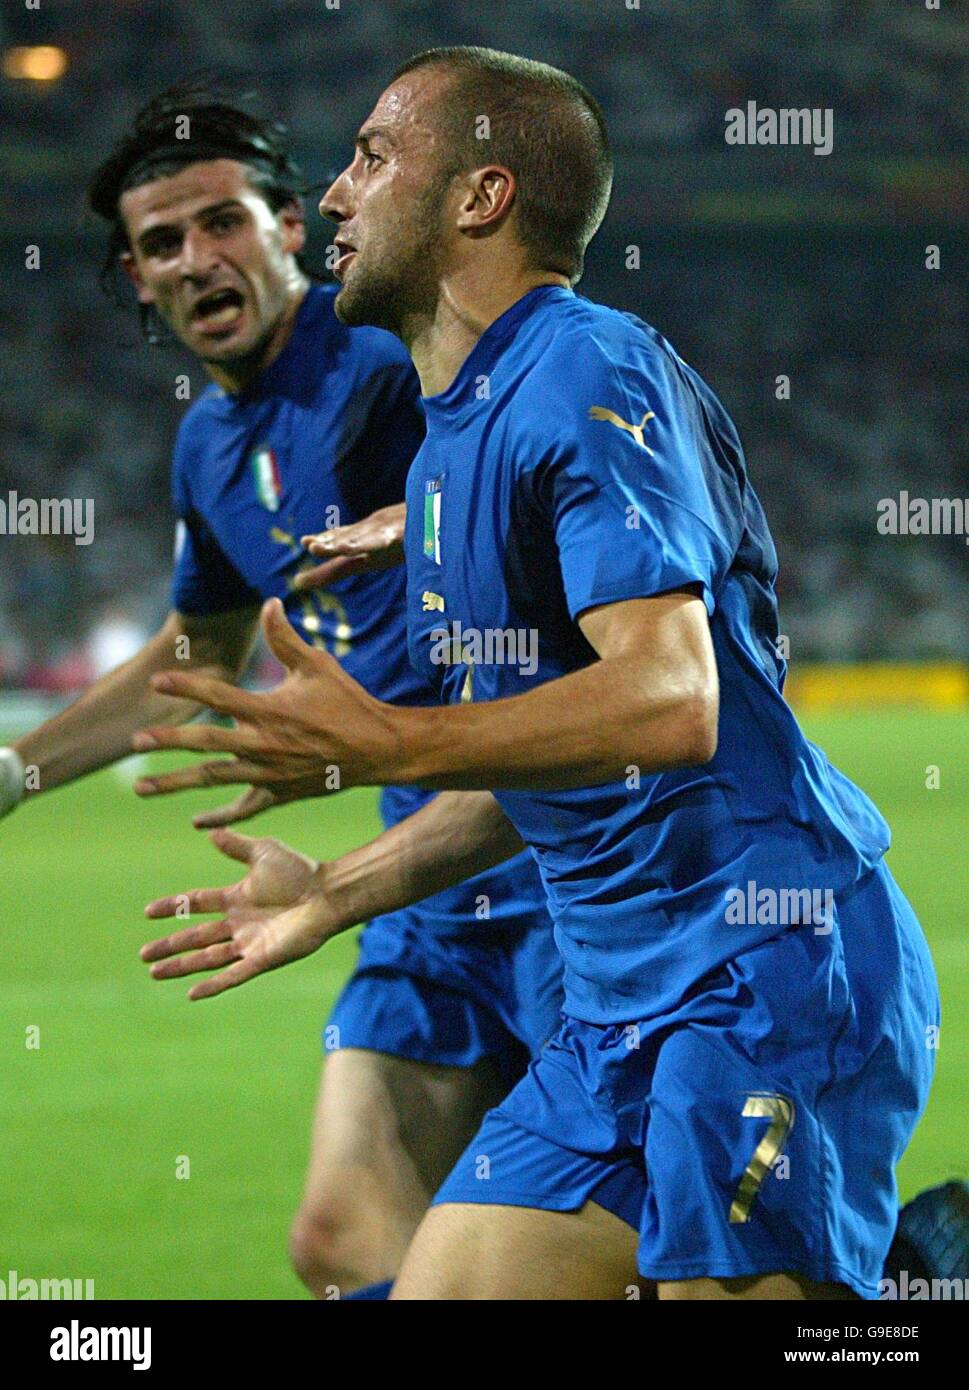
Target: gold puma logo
{"x":432,"y":601}
{"x":599,"y":412}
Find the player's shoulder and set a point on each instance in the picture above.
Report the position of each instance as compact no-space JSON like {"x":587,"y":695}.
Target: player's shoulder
{"x":593,"y":363}
{"x":196,"y":425}
{"x":591,"y":345}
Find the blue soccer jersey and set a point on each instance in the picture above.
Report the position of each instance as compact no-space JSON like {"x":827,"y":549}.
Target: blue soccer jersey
{"x":576,"y":461}
{"x":323,"y":437}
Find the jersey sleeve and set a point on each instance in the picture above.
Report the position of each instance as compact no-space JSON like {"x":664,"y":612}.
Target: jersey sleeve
{"x":204,"y":580}
{"x":640,"y":501}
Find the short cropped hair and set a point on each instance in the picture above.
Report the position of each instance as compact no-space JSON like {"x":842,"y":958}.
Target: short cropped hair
{"x":546,"y":128}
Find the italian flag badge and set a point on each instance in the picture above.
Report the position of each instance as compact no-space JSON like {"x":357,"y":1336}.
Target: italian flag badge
{"x":265,"y":472}
{"x":432,"y":519}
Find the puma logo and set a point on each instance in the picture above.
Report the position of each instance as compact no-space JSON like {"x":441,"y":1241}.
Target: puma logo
{"x":432,"y":601}
{"x":599,"y":412}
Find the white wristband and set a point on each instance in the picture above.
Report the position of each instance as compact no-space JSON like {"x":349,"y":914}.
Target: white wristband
{"x":12,"y":776}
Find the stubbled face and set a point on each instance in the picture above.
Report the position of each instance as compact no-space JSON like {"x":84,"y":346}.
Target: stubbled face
{"x":391,"y":203}
{"x":214,"y":260}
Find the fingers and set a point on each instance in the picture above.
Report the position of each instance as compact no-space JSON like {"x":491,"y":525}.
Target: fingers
{"x":240,"y":847}
{"x":331,"y":571}
{"x":283,"y":641}
{"x":191,"y":939}
{"x":381,"y":530}
{"x":235,"y":975}
{"x":199,"y":738}
{"x":341,"y":540}
{"x":227,"y":773}
{"x":185,"y":904}
{"x":208,"y":958}
{"x":250,"y":803}
{"x":206,"y":690}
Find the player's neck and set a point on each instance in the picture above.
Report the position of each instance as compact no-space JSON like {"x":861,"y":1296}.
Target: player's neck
{"x":234,"y":377}
{"x":440,"y":341}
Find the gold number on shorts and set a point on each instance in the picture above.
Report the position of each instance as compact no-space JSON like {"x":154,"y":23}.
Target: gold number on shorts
{"x":780,"y":1111}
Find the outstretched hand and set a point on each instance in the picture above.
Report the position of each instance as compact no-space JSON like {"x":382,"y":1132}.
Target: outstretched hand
{"x":316,"y":733}
{"x":376,"y":543}
{"x":248,"y":804}
{"x":278,"y":913}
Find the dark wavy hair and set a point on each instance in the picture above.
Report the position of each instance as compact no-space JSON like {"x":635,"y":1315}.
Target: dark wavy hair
{"x":219,"y":127}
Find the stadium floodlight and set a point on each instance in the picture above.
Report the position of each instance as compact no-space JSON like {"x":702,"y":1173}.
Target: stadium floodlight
{"x":36,"y":63}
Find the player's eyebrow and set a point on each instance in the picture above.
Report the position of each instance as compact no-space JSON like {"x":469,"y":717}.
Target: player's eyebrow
{"x":212,"y":210}
{"x":371,"y":133}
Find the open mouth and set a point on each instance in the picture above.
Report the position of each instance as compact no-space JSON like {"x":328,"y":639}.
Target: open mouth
{"x":217,"y":310}
{"x":346,"y":256}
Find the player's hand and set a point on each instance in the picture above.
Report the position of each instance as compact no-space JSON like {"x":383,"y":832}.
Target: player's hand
{"x":316,"y":733}
{"x":376,"y":543}
{"x":244,"y":807}
{"x":278,"y":913}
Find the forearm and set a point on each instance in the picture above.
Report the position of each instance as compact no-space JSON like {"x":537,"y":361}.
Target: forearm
{"x":586,"y":728}
{"x":97,"y":728}
{"x":453,"y":837}
{"x":649,"y":702}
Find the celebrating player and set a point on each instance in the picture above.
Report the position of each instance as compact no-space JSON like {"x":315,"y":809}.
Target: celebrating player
{"x":307,"y":421}
{"x":745,"y":1051}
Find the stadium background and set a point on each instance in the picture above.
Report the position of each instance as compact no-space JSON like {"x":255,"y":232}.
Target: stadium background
{"x":755,"y":262}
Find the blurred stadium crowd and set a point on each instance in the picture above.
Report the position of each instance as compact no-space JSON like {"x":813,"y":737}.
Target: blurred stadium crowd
{"x":756,"y":263}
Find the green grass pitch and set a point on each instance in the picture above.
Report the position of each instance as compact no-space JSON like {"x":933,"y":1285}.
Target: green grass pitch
{"x":130,"y":1078}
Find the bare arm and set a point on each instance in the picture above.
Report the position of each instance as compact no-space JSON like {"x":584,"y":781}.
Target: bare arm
{"x":650,"y":701}
{"x":97,"y":728}
{"x":456,"y":835}
{"x":287,"y":906}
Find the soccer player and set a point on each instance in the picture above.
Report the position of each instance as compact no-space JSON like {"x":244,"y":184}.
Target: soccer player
{"x":749,"y":997}
{"x":307,"y":421}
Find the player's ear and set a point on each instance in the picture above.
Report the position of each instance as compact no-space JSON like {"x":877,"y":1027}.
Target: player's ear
{"x":130,"y":267}
{"x":292,"y":225}
{"x":486,"y":198}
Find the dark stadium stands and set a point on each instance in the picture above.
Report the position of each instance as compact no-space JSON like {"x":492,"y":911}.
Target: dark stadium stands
{"x":756,"y":263}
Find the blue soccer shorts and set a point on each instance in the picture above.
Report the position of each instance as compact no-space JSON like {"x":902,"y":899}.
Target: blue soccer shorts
{"x":755,"y":1129}
{"x":491,"y":991}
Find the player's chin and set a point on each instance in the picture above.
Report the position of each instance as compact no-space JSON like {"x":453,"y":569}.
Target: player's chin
{"x":343,"y":307}
{"x":356,"y":305}
{"x":235,"y":345}
{"x":232,"y":341}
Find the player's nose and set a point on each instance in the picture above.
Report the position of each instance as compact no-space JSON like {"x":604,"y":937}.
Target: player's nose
{"x":335,"y":203}
{"x":199,"y":255}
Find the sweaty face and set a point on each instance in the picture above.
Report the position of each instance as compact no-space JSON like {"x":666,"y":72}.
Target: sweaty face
{"x":391,"y":206}
{"x":210,"y":255}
